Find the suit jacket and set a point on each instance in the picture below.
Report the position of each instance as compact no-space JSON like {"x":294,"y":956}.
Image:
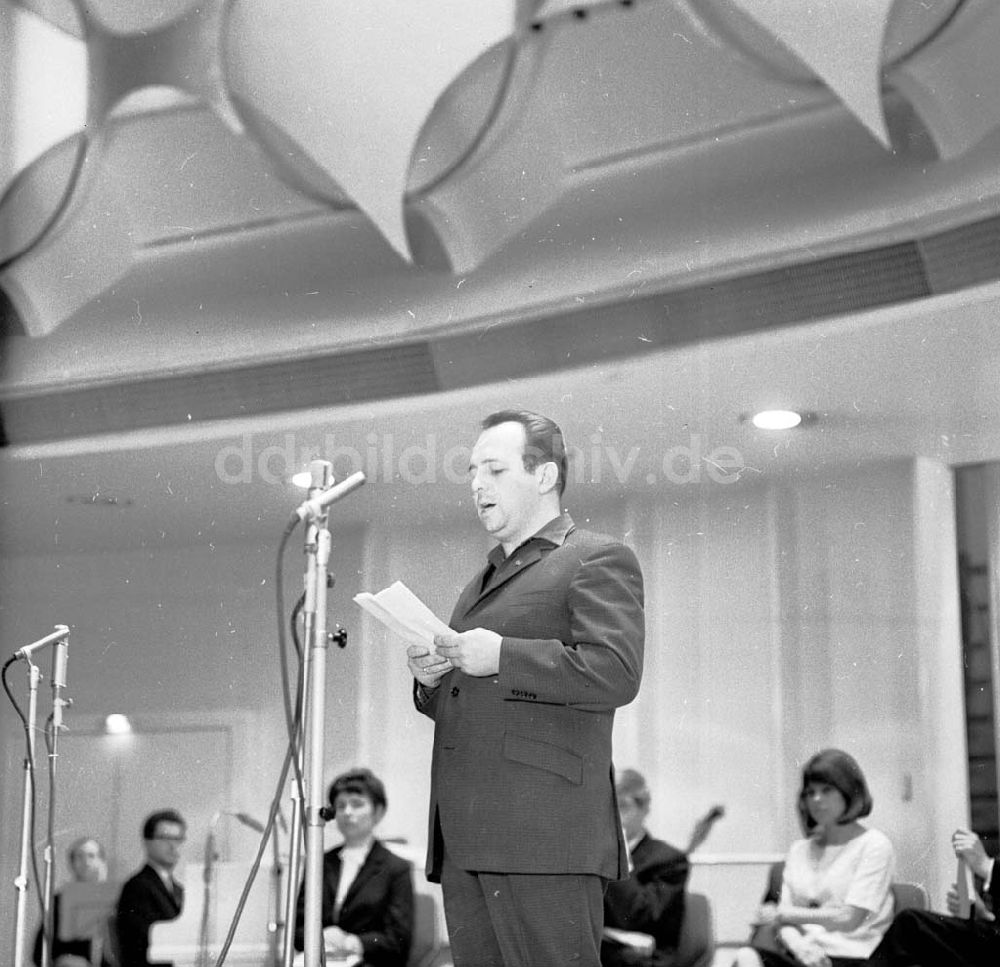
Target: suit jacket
{"x":144,"y":900}
{"x":521,"y":779}
{"x":378,"y":906}
{"x":651,"y":901}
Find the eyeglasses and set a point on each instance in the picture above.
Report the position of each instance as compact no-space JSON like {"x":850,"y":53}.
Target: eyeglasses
{"x":171,"y":839}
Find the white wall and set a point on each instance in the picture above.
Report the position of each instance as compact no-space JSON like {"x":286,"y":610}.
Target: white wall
{"x":782,"y":617}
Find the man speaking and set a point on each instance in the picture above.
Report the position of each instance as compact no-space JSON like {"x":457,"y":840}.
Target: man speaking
{"x":524,"y":829}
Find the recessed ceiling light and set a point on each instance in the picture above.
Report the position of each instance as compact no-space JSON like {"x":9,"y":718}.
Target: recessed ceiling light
{"x":117,"y":724}
{"x":776,"y":419}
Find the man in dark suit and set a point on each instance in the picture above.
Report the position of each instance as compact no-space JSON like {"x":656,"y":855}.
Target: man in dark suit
{"x":524,"y":831}
{"x":920,"y":938}
{"x":152,"y":894}
{"x":651,"y":900}
{"x":367,"y":895}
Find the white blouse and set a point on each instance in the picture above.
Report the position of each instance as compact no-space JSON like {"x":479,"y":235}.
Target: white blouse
{"x":858,"y":873}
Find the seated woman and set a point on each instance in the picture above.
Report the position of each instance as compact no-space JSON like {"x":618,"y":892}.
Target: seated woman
{"x":367,"y":897}
{"x":836,"y":901}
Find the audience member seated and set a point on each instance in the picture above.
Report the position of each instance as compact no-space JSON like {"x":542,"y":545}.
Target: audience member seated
{"x":88,"y":864}
{"x":367,"y":895}
{"x":651,"y":900}
{"x":152,"y":895}
{"x":836,"y":901}
{"x":919,"y":938}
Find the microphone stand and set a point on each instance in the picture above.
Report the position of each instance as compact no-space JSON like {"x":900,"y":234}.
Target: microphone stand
{"x":309,"y":814}
{"x":208,"y":876}
{"x":58,"y":635}
{"x":277,"y":926}
{"x":21,"y":882}
{"x":314,"y":713}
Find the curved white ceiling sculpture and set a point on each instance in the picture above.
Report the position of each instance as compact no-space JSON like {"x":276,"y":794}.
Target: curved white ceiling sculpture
{"x":397,"y":108}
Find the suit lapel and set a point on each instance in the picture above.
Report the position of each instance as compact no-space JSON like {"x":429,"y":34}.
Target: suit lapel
{"x":523,"y":558}
{"x":467,"y":599}
{"x":175,"y":897}
{"x":371,"y":865}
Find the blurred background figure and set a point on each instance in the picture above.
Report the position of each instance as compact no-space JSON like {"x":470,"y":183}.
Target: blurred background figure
{"x":367,"y":896}
{"x":152,"y":895}
{"x":88,"y":864}
{"x":651,"y":901}
{"x":835,"y":903}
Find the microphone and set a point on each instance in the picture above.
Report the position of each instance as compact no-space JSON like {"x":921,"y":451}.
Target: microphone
{"x":315,"y":506}
{"x":60,"y":653}
{"x":60,"y":632}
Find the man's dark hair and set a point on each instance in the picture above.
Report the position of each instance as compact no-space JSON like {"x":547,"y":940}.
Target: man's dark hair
{"x":543,"y":440}
{"x":161,"y":816}
{"x":361,"y":782}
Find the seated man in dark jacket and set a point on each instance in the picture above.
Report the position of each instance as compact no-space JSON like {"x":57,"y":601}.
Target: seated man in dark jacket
{"x":920,"y":938}
{"x":651,"y":900}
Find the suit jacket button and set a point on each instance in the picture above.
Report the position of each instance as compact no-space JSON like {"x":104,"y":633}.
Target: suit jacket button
{"x":454,"y":691}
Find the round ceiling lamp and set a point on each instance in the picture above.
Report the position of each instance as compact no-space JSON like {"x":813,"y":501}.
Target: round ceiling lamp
{"x":776,"y":419}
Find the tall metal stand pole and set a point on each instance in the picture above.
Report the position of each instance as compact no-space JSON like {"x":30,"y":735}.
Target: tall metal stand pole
{"x":276,"y":926}
{"x":59,"y":656}
{"x":314,"y":749}
{"x":21,"y":882}
{"x":317,"y":644}
{"x":297,"y":801}
{"x":292,"y":879}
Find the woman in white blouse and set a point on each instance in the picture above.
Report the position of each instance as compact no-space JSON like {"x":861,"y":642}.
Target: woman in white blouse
{"x":836,"y":901}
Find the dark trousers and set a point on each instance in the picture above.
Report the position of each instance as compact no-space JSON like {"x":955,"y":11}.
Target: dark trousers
{"x":522,"y":919}
{"x":771,"y":958}
{"x":917,"y":938}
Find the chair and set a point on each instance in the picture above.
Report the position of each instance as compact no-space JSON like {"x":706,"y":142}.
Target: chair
{"x":909,"y":896}
{"x":426,"y":945}
{"x":696,"y":943}
{"x":106,"y":944}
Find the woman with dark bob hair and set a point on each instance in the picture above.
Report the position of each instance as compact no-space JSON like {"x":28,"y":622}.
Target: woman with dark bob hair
{"x":835,"y":901}
{"x":367,"y":896}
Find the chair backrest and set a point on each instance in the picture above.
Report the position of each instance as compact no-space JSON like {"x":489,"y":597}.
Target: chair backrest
{"x":696,"y":943}
{"x":909,"y":896}
{"x":772,"y":892}
{"x":426,"y":943}
{"x":105,"y":948}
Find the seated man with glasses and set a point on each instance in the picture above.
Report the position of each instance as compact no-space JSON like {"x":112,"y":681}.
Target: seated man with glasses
{"x":152,"y":894}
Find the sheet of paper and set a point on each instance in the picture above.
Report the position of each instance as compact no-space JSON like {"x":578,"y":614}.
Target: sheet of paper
{"x":400,"y":610}
{"x":642,"y":942}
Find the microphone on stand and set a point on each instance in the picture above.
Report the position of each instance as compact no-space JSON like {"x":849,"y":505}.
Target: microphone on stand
{"x":60,"y":632}
{"x":60,"y":654}
{"x":315,"y":506}
{"x":211,"y":854}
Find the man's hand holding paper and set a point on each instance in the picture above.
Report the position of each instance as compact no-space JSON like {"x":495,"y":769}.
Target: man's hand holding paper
{"x":476,"y":652}
{"x":426,"y":666}
{"x":400,"y":610}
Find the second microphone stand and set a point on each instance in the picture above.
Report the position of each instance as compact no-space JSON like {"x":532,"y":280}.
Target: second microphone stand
{"x":308,"y":814}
